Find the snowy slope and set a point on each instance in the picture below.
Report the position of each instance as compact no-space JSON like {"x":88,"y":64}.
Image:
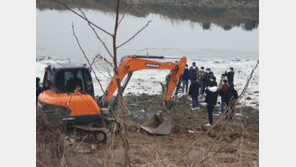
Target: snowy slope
{"x":148,"y":81}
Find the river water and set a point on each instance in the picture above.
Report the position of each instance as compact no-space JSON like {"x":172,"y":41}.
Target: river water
{"x":164,"y":36}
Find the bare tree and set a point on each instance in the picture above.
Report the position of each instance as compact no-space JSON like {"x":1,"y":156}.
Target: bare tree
{"x":123,"y":114}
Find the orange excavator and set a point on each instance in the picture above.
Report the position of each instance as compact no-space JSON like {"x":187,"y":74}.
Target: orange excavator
{"x":68,"y":93}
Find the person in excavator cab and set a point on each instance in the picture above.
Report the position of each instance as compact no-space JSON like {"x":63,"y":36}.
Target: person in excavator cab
{"x":74,"y":82}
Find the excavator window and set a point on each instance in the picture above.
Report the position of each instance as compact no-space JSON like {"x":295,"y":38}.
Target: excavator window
{"x":66,"y":81}
{"x":74,"y":80}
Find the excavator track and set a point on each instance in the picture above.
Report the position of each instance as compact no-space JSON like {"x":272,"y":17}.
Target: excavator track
{"x":93,"y":134}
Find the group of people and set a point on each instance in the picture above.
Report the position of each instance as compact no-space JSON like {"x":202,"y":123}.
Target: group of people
{"x":204,"y":83}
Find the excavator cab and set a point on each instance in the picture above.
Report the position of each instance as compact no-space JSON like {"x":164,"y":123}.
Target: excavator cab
{"x":65,"y":78}
{"x":68,"y":91}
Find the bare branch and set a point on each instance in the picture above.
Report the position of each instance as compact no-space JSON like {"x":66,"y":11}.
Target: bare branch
{"x":98,"y":27}
{"x":89,"y":63}
{"x":41,"y":163}
{"x":135,"y":34}
{"x":98,"y":37}
{"x":105,"y":60}
{"x":127,"y":9}
{"x":227,"y":144}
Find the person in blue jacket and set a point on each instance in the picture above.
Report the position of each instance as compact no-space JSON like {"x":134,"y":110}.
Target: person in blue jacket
{"x":185,"y":78}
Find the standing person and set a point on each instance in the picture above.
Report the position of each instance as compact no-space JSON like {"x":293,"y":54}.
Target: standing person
{"x":223,"y":77}
{"x":213,"y":78}
{"x":194,"y":92}
{"x":185,"y":78}
{"x":223,"y":88}
{"x":38,"y":89}
{"x":230,"y":76}
{"x":193,"y":71}
{"x":206,"y":79}
{"x":211,"y":100}
{"x":200,"y":76}
{"x":230,"y":96}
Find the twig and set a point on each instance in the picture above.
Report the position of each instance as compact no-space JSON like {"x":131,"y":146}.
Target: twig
{"x":134,"y":34}
{"x":227,"y":144}
{"x":105,"y":60}
{"x":95,"y":32}
{"x":215,"y":140}
{"x":98,"y":27}
{"x":41,"y":162}
{"x":159,"y":151}
{"x":127,"y":9}
{"x":149,"y":164}
{"x":80,"y":142}
{"x":240,"y":148}
{"x":87,"y":59}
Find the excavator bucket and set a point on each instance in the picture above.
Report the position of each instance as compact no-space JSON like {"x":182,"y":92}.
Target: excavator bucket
{"x":158,"y":124}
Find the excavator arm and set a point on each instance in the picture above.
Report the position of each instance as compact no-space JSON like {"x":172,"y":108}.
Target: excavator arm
{"x":135,"y":63}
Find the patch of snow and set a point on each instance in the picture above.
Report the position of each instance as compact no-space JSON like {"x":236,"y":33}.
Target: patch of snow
{"x":239,"y":114}
{"x":147,"y":82}
{"x":190,"y":131}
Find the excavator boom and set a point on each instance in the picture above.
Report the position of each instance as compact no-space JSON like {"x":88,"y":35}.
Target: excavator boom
{"x":135,"y":63}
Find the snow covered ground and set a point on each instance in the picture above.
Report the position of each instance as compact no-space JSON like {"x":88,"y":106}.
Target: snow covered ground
{"x":148,"y":81}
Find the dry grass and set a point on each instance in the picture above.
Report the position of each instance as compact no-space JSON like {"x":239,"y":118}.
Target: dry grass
{"x":149,"y":150}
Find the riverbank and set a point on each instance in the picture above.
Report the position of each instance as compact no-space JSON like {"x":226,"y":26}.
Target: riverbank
{"x":225,"y":13}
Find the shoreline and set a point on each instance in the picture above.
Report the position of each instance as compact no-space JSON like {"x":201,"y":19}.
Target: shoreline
{"x":226,"y":13}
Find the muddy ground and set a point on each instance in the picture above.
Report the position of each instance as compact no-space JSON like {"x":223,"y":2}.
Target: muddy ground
{"x":225,"y":146}
{"x":145,"y":106}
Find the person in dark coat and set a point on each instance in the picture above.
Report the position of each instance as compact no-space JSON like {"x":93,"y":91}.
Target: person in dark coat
{"x":185,"y":78}
{"x":194,"y":92}
{"x":230,"y":76}
{"x":213,"y":78}
{"x":211,"y":100}
{"x":38,"y":88}
{"x":200,"y":76}
{"x":210,"y":78}
{"x":230,"y":95}
{"x":193,"y":71}
{"x":206,"y":79}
